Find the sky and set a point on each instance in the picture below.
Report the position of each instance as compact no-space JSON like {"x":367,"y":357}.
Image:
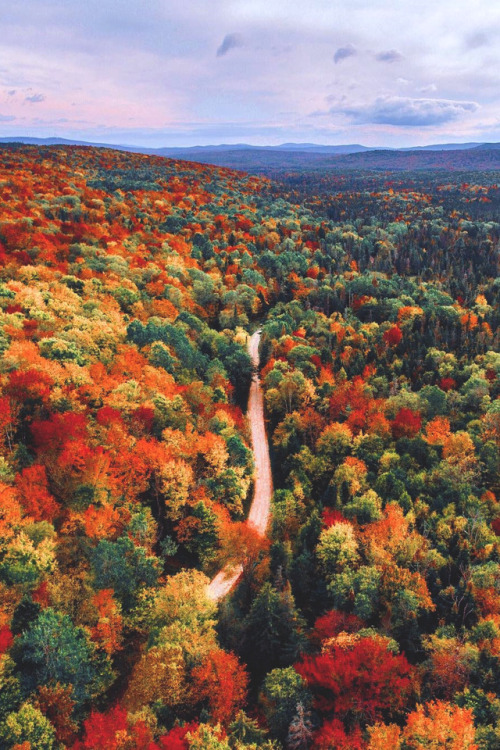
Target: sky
{"x":195,"y":72}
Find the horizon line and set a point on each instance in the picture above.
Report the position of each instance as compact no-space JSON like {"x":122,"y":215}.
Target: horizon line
{"x":239,"y":145}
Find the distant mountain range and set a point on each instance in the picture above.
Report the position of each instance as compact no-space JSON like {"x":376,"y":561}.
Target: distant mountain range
{"x":310,"y":156}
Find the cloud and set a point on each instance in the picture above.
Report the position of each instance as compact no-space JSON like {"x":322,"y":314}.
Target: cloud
{"x":167,"y":67}
{"x":230,"y":41}
{"x":477,"y":39}
{"x":406,"y":112}
{"x":12,"y":92}
{"x":344,"y":52}
{"x":429,"y":89}
{"x":35,"y":98}
{"x":389,"y":56}
{"x":7,"y":118}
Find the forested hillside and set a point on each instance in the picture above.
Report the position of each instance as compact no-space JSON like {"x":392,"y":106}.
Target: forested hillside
{"x":268,"y":160}
{"x":369,"y":616}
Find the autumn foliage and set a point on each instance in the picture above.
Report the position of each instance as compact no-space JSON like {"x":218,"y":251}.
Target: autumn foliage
{"x":222,"y":682}
{"x":360,"y":678}
{"x":368,"y":617}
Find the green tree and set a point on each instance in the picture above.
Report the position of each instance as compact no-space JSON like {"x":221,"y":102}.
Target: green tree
{"x":123,"y":567}
{"x":52,"y":649}
{"x":246,"y":731}
{"x":357,"y":589}
{"x":337,"y":548}
{"x":272,"y":630}
{"x":281,"y":692}
{"x":29,"y":725}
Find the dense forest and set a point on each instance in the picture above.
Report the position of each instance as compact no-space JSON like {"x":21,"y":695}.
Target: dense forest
{"x":318,"y":159}
{"x":368,"y":617}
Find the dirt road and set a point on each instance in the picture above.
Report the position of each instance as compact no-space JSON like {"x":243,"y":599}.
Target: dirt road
{"x":261,"y":503}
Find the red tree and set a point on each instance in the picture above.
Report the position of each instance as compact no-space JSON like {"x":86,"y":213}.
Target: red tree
{"x":101,"y":730}
{"x":407,"y":423}
{"x":5,"y":639}
{"x":175,"y":739}
{"x":364,"y":679}
{"x":334,"y":622}
{"x":222,"y":681}
{"x":333,"y":736}
{"x":34,"y":495}
{"x":393,"y":336}
{"x":112,"y":731}
{"x":447,"y":384}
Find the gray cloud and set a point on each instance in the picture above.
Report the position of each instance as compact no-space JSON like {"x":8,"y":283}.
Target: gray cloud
{"x":477,"y":39}
{"x":389,"y":56}
{"x":7,"y":118}
{"x":230,"y":41}
{"x":406,"y":112}
{"x":344,"y":52}
{"x":12,"y":92}
{"x":35,"y":98}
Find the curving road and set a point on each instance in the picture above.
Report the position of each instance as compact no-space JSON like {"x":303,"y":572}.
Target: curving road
{"x":261,"y":503}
